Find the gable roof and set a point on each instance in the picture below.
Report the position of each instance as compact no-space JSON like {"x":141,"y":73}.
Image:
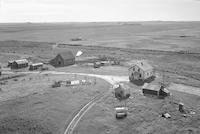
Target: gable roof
{"x":67,"y":55}
{"x":143,"y":65}
{"x":22,"y":61}
{"x":151,"y":87}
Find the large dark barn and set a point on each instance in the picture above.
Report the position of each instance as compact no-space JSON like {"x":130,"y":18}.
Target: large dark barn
{"x":63,"y":59}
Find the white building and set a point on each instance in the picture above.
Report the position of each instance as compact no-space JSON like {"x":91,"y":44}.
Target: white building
{"x":140,"y":70}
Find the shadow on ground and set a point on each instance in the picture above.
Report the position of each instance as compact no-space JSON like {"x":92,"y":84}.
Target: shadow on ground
{"x":141,"y":82}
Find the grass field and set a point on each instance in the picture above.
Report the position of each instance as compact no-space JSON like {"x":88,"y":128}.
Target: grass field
{"x":136,"y":35}
{"x":29,"y":105}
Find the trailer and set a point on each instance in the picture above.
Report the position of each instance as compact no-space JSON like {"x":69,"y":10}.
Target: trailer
{"x":121,"y":112}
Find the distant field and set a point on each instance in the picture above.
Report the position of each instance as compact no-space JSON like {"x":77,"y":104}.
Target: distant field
{"x":136,"y":35}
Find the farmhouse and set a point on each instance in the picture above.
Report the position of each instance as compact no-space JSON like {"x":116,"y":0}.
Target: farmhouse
{"x":17,"y":64}
{"x":35,"y":66}
{"x":63,"y":59}
{"x":140,"y":70}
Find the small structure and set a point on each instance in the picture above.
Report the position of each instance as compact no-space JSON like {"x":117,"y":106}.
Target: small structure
{"x":181,"y":107}
{"x":141,"y":70}
{"x":121,"y":112}
{"x":63,"y":59}
{"x":35,"y":66}
{"x":97,"y":64}
{"x":17,"y":64}
{"x":155,"y":90}
{"x":56,"y":84}
{"x":77,"y":39}
{"x":166,"y":115}
{"x":121,"y":93}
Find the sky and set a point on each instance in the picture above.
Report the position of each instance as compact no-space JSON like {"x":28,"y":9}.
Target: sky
{"x":98,"y":10}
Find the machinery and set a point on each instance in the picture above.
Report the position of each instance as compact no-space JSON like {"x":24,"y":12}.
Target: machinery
{"x":121,"y":112}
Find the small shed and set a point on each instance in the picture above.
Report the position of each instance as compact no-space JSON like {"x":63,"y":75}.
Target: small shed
{"x":150,"y":89}
{"x":121,"y":92}
{"x":17,"y":64}
{"x":35,"y":66}
{"x":155,"y":89}
{"x":63,"y":59}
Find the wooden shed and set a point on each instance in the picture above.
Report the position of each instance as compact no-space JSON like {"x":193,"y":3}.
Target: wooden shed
{"x":155,"y":89}
{"x":17,"y":64}
{"x":35,"y":66}
{"x":63,"y":59}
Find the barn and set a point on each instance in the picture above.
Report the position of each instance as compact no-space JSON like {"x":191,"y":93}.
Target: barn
{"x":63,"y":59}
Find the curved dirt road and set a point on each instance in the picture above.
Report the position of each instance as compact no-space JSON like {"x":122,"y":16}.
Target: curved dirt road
{"x":111,"y":79}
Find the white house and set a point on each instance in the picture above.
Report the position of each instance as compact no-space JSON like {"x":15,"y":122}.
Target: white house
{"x":140,"y":70}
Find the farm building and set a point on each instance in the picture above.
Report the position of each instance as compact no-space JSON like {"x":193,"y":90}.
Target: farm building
{"x":10,"y":63}
{"x":17,"y":64}
{"x":35,"y":66}
{"x":121,"y":92}
{"x":156,"y":90}
{"x":63,"y":59}
{"x":141,"y":70}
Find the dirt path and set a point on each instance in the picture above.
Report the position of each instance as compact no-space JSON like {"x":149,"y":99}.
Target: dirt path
{"x":111,"y":79}
{"x":185,"y":89}
{"x":116,"y":79}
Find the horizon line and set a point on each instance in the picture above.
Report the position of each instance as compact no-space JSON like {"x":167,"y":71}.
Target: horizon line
{"x":101,"y":21}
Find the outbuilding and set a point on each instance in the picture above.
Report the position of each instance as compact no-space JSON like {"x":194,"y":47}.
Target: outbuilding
{"x":63,"y":59}
{"x":35,"y":66}
{"x":155,"y":90}
{"x":17,"y":64}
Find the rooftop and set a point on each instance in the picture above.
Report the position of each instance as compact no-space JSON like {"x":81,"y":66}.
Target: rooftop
{"x":22,"y":61}
{"x":67,"y":55}
{"x":145,"y":66}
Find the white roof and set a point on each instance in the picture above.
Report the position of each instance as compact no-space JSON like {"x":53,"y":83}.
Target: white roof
{"x":36,"y":64}
{"x":22,"y":61}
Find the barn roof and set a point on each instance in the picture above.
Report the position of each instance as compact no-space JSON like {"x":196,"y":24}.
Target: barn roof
{"x":67,"y":55}
{"x":151,"y":87}
{"x":22,"y":61}
{"x":144,"y":65}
